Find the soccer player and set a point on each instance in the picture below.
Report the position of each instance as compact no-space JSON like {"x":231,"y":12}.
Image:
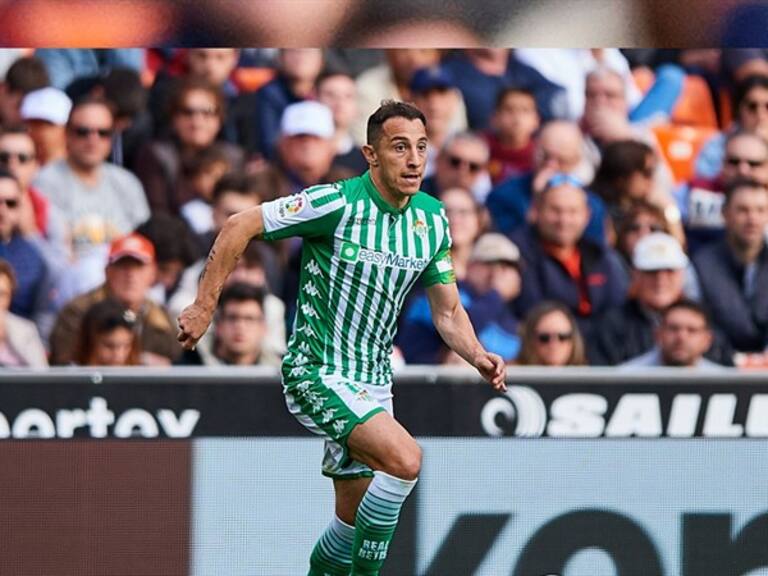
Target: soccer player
{"x":367,"y":241}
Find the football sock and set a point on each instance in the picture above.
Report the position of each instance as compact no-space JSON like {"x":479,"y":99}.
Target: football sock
{"x":332,"y":555}
{"x":376,"y":522}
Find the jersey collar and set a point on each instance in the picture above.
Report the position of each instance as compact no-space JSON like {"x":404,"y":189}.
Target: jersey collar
{"x":375,"y":195}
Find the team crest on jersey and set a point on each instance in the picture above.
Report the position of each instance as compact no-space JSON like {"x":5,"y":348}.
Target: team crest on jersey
{"x":420,"y":228}
{"x":291,"y":206}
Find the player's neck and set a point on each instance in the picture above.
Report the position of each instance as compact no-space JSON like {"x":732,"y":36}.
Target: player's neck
{"x":394,"y":198}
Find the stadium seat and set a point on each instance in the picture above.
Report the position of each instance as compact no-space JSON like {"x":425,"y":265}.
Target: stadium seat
{"x":680,"y":146}
{"x":694,"y":106}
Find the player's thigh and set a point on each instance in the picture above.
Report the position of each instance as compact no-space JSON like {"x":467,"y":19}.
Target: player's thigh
{"x":383,"y":444}
{"x":349,"y":494}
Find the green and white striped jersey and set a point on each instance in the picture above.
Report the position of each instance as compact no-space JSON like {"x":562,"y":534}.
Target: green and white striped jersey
{"x":360,"y":258}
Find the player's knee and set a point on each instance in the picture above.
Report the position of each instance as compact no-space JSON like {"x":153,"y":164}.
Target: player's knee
{"x":407,"y":464}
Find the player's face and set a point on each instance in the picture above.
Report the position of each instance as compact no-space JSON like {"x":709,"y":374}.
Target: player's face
{"x":400,"y":156}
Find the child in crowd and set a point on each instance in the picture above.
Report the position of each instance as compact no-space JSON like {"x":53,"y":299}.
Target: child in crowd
{"x":514,"y":122}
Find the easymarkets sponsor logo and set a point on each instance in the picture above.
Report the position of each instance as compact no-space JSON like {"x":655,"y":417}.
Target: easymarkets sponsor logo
{"x":352,"y":253}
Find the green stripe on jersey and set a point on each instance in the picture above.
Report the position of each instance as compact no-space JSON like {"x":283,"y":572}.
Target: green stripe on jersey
{"x":360,"y":258}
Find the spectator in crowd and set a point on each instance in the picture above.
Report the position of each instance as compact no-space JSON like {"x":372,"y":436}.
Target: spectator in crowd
{"x":108,"y":336}
{"x":25,"y":75}
{"x":657,"y":281}
{"x":123,"y":89}
{"x":20,"y":343}
{"x":305,"y":149}
{"x":17,"y":156}
{"x":45,"y":113}
{"x":466,"y":220}
{"x":682,"y":337}
{"x":701,"y":203}
{"x":434,"y":93}
{"x":197,"y":112}
{"x":240,"y":331}
{"x":199,"y":175}
{"x":736,"y":268}
{"x":98,"y":201}
{"x":130,"y":273}
{"x":626,"y":175}
{"x":297,"y":72}
{"x":551,"y":337}
{"x":559,"y":150}
{"x":176,"y":249}
{"x":561,"y":263}
{"x":491,"y":286}
{"x":392,"y":81}
{"x":515,"y":121}
{"x":461,"y":163}
{"x":751,"y":107}
{"x":482,"y":72}
{"x":33,"y":277}
{"x":338,"y":91}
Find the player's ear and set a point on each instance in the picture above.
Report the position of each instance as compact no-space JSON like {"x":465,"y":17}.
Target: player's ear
{"x":370,"y":155}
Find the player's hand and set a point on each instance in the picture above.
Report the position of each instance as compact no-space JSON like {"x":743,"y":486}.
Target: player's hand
{"x":492,"y":368}
{"x":193,"y":322}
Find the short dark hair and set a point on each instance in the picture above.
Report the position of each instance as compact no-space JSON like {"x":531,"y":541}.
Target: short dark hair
{"x":509,"y":90}
{"x":187,"y":85}
{"x":619,"y":160}
{"x":171,"y":237}
{"x":691,"y":305}
{"x":26,"y":75}
{"x":331,"y":72}
{"x":745,"y":86}
{"x":241,"y":292}
{"x":91,"y":100}
{"x":741,"y":183}
{"x":255,"y":185}
{"x":123,"y":87}
{"x":391,"y":109}
{"x":103,"y":317}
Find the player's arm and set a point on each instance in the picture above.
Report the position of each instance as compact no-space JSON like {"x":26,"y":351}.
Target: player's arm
{"x":222,"y":259}
{"x":453,"y":324}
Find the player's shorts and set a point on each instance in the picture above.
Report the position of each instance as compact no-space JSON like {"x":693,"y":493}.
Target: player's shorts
{"x":331,"y":407}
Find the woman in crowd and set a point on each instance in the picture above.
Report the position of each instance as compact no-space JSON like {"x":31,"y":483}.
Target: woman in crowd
{"x":197,"y":111}
{"x":467,"y":220}
{"x":108,"y":336}
{"x":551,"y":338}
{"x":20,"y":344}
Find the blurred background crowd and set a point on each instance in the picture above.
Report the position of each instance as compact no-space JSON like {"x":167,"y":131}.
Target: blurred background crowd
{"x":608,"y":207}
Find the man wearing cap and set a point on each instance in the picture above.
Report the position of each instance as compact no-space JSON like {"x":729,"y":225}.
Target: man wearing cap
{"x":130,"y":274}
{"x":97,"y":200}
{"x":659,"y":265}
{"x":683,"y":336}
{"x":491,"y":286}
{"x":736,"y":268}
{"x":45,"y":113}
{"x":561,"y":262}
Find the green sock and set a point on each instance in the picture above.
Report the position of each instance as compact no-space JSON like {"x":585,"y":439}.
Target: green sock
{"x":376,"y":522}
{"x":332,"y":555}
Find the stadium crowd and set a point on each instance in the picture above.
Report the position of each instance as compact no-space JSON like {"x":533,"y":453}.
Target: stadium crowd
{"x":607,"y":207}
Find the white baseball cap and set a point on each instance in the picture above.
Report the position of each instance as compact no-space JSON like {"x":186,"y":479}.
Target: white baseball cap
{"x":49,"y":104}
{"x":307,"y":117}
{"x":659,"y":251}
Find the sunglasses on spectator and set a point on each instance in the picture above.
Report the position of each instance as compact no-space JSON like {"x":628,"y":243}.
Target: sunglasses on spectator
{"x":85,"y":132}
{"x":22,"y":157}
{"x":458,"y":162}
{"x":736,"y":161}
{"x":753,"y":106}
{"x":10,"y":202}
{"x":547,"y":337}
{"x":190,"y":112}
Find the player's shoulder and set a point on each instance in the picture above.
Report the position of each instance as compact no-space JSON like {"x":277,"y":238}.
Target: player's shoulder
{"x":427,"y":202}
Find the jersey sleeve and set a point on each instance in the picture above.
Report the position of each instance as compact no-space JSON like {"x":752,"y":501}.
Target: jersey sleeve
{"x":440,"y":268}
{"x":313,"y":212}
